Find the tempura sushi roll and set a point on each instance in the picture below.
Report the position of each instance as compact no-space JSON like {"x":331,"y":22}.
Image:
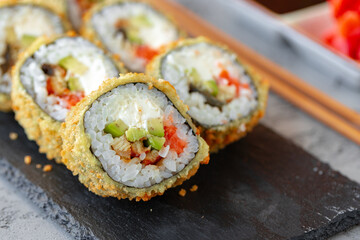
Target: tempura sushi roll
{"x":133,"y":30}
{"x":51,"y":77}
{"x":226,"y":98}
{"x":21,"y":22}
{"x":132,"y":139}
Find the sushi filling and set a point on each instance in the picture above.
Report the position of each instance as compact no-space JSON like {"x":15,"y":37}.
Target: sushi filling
{"x":134,"y":31}
{"x":139,"y":136}
{"x":60,"y":74}
{"x":212,"y":82}
{"x":19,"y":27}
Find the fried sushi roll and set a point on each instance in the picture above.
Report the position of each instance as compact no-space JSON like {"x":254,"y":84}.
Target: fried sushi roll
{"x":132,"y":139}
{"x":133,"y":30}
{"x":21,"y":22}
{"x":226,"y":98}
{"x":49,"y":79}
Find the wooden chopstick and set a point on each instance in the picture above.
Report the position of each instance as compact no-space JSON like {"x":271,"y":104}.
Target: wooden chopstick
{"x":299,"y":93}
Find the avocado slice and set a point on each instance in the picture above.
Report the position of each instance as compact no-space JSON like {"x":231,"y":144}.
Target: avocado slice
{"x":194,"y":76}
{"x":74,"y":84}
{"x":133,"y":36}
{"x":141,"y":21}
{"x":27,"y":40}
{"x":135,"y":134}
{"x":72,"y":64}
{"x":155,"y":127}
{"x":116,"y":129}
{"x":156,"y":142}
{"x":212,"y":87}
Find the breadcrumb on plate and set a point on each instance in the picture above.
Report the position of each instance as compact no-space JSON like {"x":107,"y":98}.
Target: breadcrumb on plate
{"x":47,"y":168}
{"x":182,"y":192}
{"x":13,"y":136}
{"x":27,"y":160}
{"x":38,"y":166}
{"x":194,"y":188}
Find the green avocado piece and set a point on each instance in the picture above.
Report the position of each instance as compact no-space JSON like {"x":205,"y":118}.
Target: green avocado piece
{"x":133,"y":36}
{"x":72,"y":64}
{"x":135,"y":134}
{"x":194,"y":76}
{"x":74,"y":84}
{"x":27,"y":40}
{"x":155,"y":127}
{"x":156,"y":142}
{"x":212,"y":87}
{"x":116,"y":129}
{"x":141,"y":21}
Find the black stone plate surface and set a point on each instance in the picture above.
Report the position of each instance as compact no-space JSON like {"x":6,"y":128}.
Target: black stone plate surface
{"x":263,"y":187}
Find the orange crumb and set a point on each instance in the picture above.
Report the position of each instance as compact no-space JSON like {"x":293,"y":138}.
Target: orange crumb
{"x":47,"y":168}
{"x":194,"y":188}
{"x":27,"y":160}
{"x":38,"y":166}
{"x":150,"y":86}
{"x":198,"y":131}
{"x":206,"y":160}
{"x":71,"y":33}
{"x":13,"y":136}
{"x":182,"y":192}
{"x":116,"y":57}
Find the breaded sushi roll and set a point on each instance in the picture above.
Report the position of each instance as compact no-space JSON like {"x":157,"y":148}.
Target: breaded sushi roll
{"x":226,"y":98}
{"x":49,"y":79}
{"x":132,"y":139}
{"x":21,"y":22}
{"x":133,"y":30}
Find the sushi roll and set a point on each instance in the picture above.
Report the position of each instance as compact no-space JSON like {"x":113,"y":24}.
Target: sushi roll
{"x":21,"y":22}
{"x":50,"y":78}
{"x":133,"y":30}
{"x":132,"y":139}
{"x":226,"y":99}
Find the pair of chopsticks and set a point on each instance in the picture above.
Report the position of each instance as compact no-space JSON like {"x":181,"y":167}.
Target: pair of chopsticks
{"x":309,"y":99}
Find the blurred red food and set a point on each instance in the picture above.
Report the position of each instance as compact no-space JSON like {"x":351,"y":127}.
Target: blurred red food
{"x":345,"y":37}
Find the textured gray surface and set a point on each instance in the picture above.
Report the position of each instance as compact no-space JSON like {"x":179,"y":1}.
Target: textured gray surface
{"x":49,"y":209}
{"x":20,"y":219}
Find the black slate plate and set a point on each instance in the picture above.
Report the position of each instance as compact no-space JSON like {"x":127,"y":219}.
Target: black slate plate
{"x":263,"y":187}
